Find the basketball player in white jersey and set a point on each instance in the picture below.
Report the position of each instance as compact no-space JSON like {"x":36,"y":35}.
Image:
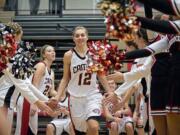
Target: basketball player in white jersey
{"x":85,"y":98}
{"x":43,"y":79}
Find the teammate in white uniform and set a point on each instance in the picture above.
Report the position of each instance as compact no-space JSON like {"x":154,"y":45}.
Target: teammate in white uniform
{"x":118,"y":119}
{"x":85,"y":99}
{"x":63,"y":121}
{"x":43,"y":79}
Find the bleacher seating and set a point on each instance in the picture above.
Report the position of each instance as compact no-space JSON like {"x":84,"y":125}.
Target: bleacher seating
{"x":40,"y":28}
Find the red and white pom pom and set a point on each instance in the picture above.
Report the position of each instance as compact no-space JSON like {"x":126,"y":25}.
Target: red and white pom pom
{"x":120,"y":18}
{"x":103,"y":57}
{"x":8,"y":48}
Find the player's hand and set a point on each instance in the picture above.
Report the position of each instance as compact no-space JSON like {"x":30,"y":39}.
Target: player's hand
{"x":64,"y":110}
{"x":53,"y":103}
{"x":118,"y":120}
{"x":44,"y":107}
{"x":33,"y":110}
{"x":119,"y":103}
{"x":110,"y":97}
{"x":135,"y":116}
{"x":56,"y":113}
{"x":118,"y":114}
{"x":104,"y":101}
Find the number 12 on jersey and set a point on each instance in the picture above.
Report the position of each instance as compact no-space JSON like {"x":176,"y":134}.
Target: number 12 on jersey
{"x":84,"y":79}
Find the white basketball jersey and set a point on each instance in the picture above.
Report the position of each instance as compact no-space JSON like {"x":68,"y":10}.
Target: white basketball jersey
{"x":81,"y":83}
{"x":46,"y":82}
{"x":8,"y":94}
{"x":63,"y":103}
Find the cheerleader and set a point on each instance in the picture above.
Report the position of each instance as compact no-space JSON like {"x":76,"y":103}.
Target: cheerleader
{"x":170,"y":42}
{"x":159,"y":84}
{"x":173,"y":95}
{"x":8,"y":83}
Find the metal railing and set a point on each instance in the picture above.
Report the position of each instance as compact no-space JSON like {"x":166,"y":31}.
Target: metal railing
{"x":51,"y":7}
{"x":33,"y":7}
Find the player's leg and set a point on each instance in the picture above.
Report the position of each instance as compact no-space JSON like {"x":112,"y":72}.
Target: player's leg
{"x":93,"y":126}
{"x":78,"y":114}
{"x":140,"y":127}
{"x":55,"y":127}
{"x":4,"y":125}
{"x":50,"y":129}
{"x":129,"y":126}
{"x":113,"y":128}
{"x":68,"y":127}
{"x":93,"y":113}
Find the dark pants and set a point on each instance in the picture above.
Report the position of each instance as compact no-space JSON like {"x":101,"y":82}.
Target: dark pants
{"x":54,"y":6}
{"x":10,"y":5}
{"x":34,"y":6}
